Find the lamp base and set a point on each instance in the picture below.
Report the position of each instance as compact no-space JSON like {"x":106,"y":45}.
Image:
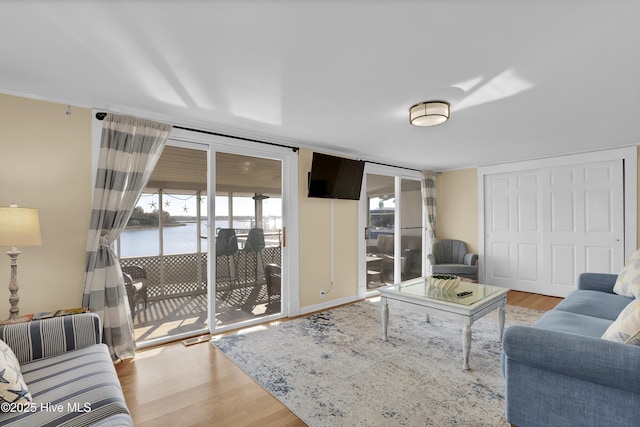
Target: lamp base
{"x":10,"y":320}
{"x":14,"y":316}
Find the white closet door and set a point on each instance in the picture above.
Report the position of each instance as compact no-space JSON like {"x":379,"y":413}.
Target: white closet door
{"x":545,"y":226}
{"x":583,"y":222}
{"x":513,"y":242}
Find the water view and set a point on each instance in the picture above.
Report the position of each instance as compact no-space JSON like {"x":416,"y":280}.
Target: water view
{"x":177,"y":239}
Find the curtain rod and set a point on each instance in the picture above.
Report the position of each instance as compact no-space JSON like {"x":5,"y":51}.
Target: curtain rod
{"x":394,"y":166}
{"x":101,"y":116}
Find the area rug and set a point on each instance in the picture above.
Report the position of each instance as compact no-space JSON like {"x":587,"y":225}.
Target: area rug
{"x":332,"y":368}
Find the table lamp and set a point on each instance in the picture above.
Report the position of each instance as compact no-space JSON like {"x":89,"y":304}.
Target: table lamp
{"x":18,"y":227}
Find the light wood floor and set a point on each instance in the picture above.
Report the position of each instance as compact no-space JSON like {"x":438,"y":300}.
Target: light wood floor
{"x":536,"y":301}
{"x":198,"y":386}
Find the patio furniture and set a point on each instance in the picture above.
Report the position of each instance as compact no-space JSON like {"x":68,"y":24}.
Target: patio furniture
{"x":412,"y":262}
{"x":135,"y":282}
{"x":254,"y":246}
{"x":273,"y":277}
{"x":227,"y":247}
{"x":411,"y":257}
{"x":451,"y":257}
{"x":374,"y":271}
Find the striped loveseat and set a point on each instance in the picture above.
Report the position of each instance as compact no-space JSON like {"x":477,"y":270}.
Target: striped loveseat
{"x":68,"y":372}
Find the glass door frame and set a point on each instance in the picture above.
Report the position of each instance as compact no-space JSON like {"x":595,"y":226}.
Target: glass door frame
{"x":171,"y":142}
{"x":398,"y":174}
{"x":290,"y":301}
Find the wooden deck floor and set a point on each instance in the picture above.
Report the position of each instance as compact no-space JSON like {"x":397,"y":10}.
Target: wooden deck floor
{"x":183,"y":314}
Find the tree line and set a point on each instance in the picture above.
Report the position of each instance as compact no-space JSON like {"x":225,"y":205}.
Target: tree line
{"x":140,"y":218}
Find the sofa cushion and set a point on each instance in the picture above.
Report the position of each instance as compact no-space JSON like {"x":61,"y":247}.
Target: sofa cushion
{"x":628,"y":281}
{"x":626,"y":328}
{"x":573,"y":323}
{"x":594,"y":304}
{"x":77,"y":387}
{"x":12,"y":386}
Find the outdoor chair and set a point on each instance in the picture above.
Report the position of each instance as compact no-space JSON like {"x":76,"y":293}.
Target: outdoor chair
{"x":451,"y":257}
{"x":135,"y":282}
{"x":253,"y":247}
{"x":273,"y":277}
{"x":227,"y":247}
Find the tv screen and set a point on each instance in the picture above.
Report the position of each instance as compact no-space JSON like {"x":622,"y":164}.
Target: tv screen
{"x":335,"y":177}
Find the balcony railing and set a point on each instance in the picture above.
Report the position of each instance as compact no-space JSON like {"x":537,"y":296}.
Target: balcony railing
{"x":177,"y":275}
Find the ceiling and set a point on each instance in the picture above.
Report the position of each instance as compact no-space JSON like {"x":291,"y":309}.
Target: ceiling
{"x":183,"y":169}
{"x":525,"y":78}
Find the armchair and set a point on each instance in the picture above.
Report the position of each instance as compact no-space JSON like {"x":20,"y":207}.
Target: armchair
{"x":135,"y":282}
{"x":451,"y":257}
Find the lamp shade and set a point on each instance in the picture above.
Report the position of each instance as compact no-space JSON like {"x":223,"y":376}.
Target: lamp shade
{"x":429,"y":113}
{"x":19,"y":226}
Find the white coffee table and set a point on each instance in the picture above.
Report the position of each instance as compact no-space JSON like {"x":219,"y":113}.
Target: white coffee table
{"x":417,"y":294}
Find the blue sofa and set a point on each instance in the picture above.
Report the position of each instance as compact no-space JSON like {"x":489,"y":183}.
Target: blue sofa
{"x":68,"y":372}
{"x":559,"y":372}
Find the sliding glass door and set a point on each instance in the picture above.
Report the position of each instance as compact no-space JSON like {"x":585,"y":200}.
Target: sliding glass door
{"x":164,"y":248}
{"x":208,"y":240}
{"x":393,"y":226}
{"x":250,"y":256}
{"x":249,"y":238}
{"x":380,"y":230}
{"x":411,"y":228}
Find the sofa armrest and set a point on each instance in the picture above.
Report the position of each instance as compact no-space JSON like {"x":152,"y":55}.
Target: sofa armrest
{"x":602,"y":282}
{"x":590,"y":359}
{"x":470,"y":259}
{"x":44,"y":338}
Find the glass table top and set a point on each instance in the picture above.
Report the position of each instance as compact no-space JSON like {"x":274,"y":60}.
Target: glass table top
{"x":421,"y":288}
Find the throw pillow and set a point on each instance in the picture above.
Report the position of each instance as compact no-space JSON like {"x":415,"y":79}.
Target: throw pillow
{"x":628,"y":282}
{"x":626,"y":328}
{"x":12,"y":386}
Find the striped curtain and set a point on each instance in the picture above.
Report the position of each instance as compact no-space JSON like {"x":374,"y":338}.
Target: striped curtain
{"x":428,"y":188}
{"x":129,"y":151}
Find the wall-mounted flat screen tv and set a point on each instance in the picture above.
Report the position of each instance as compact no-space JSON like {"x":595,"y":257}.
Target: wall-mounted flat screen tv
{"x":335,"y":177}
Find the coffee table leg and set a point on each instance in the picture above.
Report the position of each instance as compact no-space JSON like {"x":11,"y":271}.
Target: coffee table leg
{"x":466,"y":346}
{"x":501,"y":313}
{"x":385,"y":319}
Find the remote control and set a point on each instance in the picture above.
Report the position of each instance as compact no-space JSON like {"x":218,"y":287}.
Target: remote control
{"x":463,"y":294}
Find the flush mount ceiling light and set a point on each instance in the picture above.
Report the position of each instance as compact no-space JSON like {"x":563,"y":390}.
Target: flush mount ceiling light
{"x":429,"y":113}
